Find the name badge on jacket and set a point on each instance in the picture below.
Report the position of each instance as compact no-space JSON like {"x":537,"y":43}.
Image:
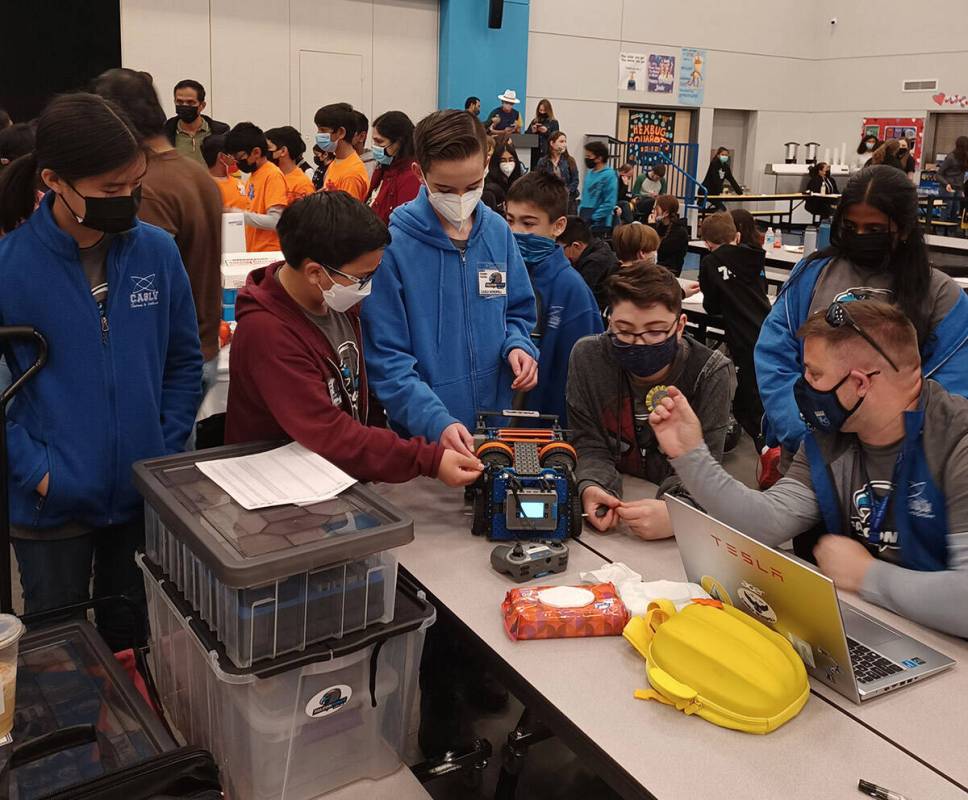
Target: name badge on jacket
{"x":492,"y":280}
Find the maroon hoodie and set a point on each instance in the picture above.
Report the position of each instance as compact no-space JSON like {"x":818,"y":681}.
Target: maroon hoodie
{"x":282,"y":371}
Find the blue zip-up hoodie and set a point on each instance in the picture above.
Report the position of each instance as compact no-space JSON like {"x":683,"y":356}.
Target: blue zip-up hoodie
{"x":568,"y":311}
{"x":779,"y":353}
{"x":436,"y":349}
{"x":113,"y":391}
{"x":599,"y":197}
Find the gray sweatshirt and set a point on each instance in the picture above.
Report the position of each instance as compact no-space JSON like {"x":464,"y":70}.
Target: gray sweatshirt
{"x":937,"y":599}
{"x":952,"y":172}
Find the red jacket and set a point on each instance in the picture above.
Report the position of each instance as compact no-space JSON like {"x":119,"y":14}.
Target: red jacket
{"x":286,"y":384}
{"x":399,"y":186}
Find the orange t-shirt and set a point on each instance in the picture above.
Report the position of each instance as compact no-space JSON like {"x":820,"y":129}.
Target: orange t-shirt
{"x":233,"y":193}
{"x":348,"y":175}
{"x":298,"y":185}
{"x":266,"y":188}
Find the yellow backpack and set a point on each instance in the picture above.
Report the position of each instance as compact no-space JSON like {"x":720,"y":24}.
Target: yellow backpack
{"x":720,"y":664}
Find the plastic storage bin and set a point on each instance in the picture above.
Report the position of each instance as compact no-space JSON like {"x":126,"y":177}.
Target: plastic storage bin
{"x":275,"y":580}
{"x":298,"y":726}
{"x":66,"y":678}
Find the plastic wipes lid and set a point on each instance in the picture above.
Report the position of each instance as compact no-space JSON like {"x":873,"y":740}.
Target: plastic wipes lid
{"x":566,"y":597}
{"x":11,"y":629}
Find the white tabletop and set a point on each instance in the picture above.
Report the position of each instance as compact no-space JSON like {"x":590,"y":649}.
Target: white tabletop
{"x":926,"y":718}
{"x":774,"y":255}
{"x":946,"y":242}
{"x":821,"y":753}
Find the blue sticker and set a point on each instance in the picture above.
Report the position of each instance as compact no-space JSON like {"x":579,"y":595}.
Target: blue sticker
{"x":911,"y":663}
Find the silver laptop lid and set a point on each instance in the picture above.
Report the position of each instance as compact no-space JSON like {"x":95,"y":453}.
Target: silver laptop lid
{"x":782,"y":592}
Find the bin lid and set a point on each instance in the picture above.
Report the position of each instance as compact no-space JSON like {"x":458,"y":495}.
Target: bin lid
{"x":67,"y":677}
{"x":412,"y":611}
{"x":11,"y":629}
{"x":245,"y":548}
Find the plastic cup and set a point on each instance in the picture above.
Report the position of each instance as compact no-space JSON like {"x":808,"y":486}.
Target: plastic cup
{"x":11,"y":629}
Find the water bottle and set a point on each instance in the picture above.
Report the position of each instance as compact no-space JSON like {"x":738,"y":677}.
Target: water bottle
{"x":809,"y":239}
{"x":770,"y":238}
{"x":823,"y":235}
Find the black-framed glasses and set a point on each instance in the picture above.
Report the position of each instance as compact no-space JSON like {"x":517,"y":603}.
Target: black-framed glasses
{"x":629,"y":338}
{"x":360,"y":282}
{"x":838,"y":316}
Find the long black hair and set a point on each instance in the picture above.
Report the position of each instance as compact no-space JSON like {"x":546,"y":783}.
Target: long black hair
{"x":397,"y":127}
{"x":78,"y":136}
{"x":862,"y":146}
{"x":494,"y":168}
{"x":890,"y":191}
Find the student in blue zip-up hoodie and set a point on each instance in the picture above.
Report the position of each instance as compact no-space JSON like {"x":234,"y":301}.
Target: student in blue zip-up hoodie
{"x":123,"y":377}
{"x":599,"y":194}
{"x":448,"y":323}
{"x":537,"y":207}
{"x":877,"y":251}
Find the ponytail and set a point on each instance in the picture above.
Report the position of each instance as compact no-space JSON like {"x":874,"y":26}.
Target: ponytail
{"x":18,"y":191}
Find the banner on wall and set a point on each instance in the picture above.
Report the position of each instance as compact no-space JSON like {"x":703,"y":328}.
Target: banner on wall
{"x":662,"y":73}
{"x":910,"y":128}
{"x":692,"y":76}
{"x":650,"y":132}
{"x":631,"y":72}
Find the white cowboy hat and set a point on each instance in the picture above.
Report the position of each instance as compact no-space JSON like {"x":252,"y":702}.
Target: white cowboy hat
{"x":509,"y":96}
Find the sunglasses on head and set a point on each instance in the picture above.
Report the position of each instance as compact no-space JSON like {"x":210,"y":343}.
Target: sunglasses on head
{"x":838,"y":316}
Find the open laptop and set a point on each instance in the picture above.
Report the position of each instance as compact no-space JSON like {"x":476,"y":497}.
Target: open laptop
{"x":851,"y":652}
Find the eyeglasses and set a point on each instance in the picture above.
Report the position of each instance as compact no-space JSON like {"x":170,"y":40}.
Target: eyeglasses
{"x":839,"y":317}
{"x":629,"y":338}
{"x":360,"y":282}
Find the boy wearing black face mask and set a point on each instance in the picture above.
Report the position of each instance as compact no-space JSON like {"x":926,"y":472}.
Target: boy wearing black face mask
{"x":189,"y":127}
{"x":615,"y":378}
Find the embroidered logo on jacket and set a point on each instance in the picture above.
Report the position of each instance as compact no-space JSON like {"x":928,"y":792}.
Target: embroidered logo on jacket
{"x":144,"y":293}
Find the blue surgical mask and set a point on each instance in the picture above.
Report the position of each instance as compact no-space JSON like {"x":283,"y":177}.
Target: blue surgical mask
{"x":381,"y":156}
{"x":822,"y":410}
{"x":324,"y":142}
{"x":643,"y":360}
{"x":724,"y":159}
{"x":534,"y":249}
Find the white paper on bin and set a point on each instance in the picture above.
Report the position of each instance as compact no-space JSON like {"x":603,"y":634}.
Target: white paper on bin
{"x":286,"y":475}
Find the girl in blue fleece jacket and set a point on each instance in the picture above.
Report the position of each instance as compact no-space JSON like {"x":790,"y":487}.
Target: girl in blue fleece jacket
{"x":123,"y":376}
{"x":447,"y":326}
{"x":877,"y":251}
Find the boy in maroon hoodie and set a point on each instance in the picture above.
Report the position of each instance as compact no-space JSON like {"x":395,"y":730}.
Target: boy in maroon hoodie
{"x":297,"y":369}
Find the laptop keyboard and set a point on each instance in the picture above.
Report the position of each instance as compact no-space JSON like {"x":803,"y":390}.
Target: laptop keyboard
{"x":868,"y":665}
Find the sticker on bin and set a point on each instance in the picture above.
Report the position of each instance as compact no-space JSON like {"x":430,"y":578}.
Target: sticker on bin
{"x":328,"y":701}
{"x":556,"y":612}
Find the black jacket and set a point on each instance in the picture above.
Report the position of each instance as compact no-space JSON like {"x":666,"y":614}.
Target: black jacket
{"x":818,"y":205}
{"x":718,"y":175}
{"x":674,"y":245}
{"x":597,"y":263}
{"x":216,"y":127}
{"x":733,"y":284}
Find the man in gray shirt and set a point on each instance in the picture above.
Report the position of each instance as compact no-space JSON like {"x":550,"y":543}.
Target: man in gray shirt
{"x":884,"y":464}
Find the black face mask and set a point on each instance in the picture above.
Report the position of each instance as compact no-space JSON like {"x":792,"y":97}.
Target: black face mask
{"x":245,"y":166}
{"x":590,"y":163}
{"x":317,"y":161}
{"x":187,"y":113}
{"x":867,"y":250}
{"x":109,"y":214}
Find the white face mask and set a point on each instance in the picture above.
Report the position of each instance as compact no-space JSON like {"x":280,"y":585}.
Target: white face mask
{"x":454,"y":208}
{"x":507,"y":167}
{"x":343,"y":298}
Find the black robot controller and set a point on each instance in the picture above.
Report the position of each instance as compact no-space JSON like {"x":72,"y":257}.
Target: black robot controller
{"x":524,"y":561}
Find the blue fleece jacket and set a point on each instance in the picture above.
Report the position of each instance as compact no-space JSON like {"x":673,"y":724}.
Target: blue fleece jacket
{"x":111,"y":393}
{"x":437,"y":337}
{"x":599,"y":196}
{"x":779,"y":353}
{"x":568,"y":311}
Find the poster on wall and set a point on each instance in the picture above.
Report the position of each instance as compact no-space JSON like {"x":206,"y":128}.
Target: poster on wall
{"x":650,"y":133}
{"x":692,"y":76}
{"x":910,"y":128}
{"x":631,"y":72}
{"x":662,"y":73}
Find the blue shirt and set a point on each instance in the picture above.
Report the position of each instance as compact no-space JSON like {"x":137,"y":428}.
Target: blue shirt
{"x":599,"y":196}
{"x":509,"y":119}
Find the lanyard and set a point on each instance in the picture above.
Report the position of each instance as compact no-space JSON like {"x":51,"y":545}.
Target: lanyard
{"x":880,"y":506}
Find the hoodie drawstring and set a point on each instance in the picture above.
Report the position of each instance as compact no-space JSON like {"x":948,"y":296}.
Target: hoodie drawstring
{"x":440,"y":298}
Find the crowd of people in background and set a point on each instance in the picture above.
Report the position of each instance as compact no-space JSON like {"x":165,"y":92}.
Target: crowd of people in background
{"x":432,"y":275}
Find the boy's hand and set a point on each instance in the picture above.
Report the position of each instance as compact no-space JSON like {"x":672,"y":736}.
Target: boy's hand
{"x":689,"y":288}
{"x":457,"y":469}
{"x":593,"y":500}
{"x":676,"y":425}
{"x":457,"y":437}
{"x":42,"y":486}
{"x":647,"y":519}
{"x":525,"y":370}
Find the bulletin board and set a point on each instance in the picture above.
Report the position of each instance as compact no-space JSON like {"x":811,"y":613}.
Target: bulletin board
{"x":910,"y":128}
{"x":649,"y":131}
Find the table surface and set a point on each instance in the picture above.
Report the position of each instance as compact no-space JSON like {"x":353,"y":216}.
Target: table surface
{"x":924,"y":718}
{"x":775,"y":255}
{"x":791,"y":196}
{"x":590,"y":682}
{"x":401,"y":785}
